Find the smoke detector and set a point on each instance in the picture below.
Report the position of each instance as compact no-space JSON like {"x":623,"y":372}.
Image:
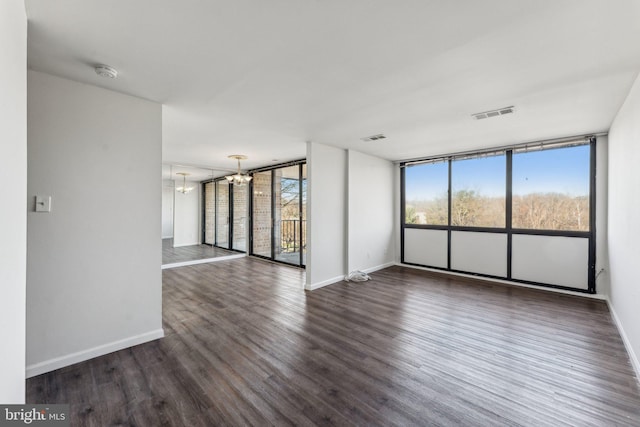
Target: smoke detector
{"x":106,"y":71}
{"x":494,"y":113}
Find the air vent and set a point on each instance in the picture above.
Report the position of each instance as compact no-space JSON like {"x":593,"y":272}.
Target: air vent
{"x":493,"y":113}
{"x":374,"y":137}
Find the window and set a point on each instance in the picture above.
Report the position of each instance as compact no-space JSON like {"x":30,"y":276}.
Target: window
{"x":478,"y":192}
{"x":499,"y":212}
{"x":551,"y":189}
{"x":426,"y":194}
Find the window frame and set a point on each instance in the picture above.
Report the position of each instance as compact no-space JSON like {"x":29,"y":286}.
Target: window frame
{"x":508,"y":229}
{"x":302,"y":200}
{"x":216,"y":213}
{"x":448,"y":202}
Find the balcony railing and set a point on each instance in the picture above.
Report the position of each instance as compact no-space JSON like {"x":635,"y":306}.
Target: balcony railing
{"x":290,"y":239}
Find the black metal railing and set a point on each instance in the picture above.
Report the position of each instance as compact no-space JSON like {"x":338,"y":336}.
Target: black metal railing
{"x":290,"y":238}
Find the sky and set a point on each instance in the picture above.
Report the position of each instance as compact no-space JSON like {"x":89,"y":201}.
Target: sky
{"x":562,"y":170}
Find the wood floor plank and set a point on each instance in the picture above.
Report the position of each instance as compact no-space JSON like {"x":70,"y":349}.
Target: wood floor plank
{"x":245,"y":345}
{"x":172,"y":255}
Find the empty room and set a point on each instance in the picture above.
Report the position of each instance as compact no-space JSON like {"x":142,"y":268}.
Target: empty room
{"x":307,"y":212}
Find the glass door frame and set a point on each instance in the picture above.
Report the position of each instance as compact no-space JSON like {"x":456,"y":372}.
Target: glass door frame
{"x":215,"y":215}
{"x":301,"y":222}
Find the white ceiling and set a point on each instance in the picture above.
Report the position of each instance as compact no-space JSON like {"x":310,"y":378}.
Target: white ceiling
{"x":260,"y":77}
{"x":173,"y":171}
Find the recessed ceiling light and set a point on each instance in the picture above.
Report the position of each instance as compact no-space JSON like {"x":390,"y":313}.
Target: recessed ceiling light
{"x":106,"y":71}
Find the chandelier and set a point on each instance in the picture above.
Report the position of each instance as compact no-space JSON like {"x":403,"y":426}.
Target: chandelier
{"x":184,"y":189}
{"x":238,"y":178}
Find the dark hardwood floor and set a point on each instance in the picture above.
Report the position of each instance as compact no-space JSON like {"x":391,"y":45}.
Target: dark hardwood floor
{"x":245,"y":345}
{"x":171,"y":255}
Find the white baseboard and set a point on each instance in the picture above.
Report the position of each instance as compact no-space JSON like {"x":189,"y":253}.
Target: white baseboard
{"x":314,"y":286}
{"x":379,"y":267}
{"x":202,"y":261}
{"x":635,"y":363}
{"x":337,"y":279}
{"x":506,"y":282}
{"x":181,"y":245}
{"x":81,"y":356}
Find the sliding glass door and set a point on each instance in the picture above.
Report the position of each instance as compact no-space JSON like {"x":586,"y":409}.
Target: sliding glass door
{"x":209,"y":203}
{"x":240,"y":200}
{"x":303,"y":213}
{"x":225,"y":215}
{"x":279,"y":214}
{"x":261,"y":215}
{"x":267,"y":218}
{"x":287,"y":214}
{"x":222,"y":214}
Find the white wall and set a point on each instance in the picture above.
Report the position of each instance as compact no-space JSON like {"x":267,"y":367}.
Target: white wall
{"x":371,"y":243}
{"x":326,"y":215}
{"x":556,"y":260}
{"x":426,"y":247}
{"x":167,"y":208}
{"x":602,"y":198}
{"x":186,"y":225}
{"x":483,"y":253}
{"x":624,"y":226}
{"x":13,"y":219}
{"x":397,"y":230}
{"x":93,"y":265}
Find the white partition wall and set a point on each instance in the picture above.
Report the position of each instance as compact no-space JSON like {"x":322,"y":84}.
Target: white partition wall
{"x":370,"y":208}
{"x":98,"y":154}
{"x":425,"y":247}
{"x":482,"y":253}
{"x":326,"y":215}
{"x":554,"y":260}
{"x":13,"y":227}
{"x":624,"y":227}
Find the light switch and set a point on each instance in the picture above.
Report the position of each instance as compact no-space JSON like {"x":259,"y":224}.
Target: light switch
{"x":43,"y":203}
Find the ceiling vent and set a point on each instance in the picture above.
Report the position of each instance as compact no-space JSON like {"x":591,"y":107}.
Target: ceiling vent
{"x":493,"y":113}
{"x":373,"y":137}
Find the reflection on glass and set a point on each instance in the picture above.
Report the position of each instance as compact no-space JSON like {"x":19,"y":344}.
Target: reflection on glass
{"x":262,"y":214}
{"x":222,"y":214}
{"x":182,"y":240}
{"x":209,"y":213}
{"x":240,"y":209}
{"x":551,"y":189}
{"x":478,"y":192}
{"x":426,"y":194}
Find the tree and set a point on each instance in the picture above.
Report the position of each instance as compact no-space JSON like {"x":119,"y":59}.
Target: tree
{"x":410,"y":216}
{"x":465,"y":207}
